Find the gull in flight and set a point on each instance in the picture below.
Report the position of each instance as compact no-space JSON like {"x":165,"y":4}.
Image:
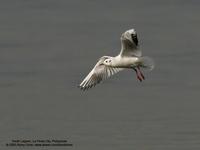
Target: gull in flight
{"x":130,"y":57}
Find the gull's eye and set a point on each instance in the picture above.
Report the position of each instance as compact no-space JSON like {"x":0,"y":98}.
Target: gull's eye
{"x":106,"y":61}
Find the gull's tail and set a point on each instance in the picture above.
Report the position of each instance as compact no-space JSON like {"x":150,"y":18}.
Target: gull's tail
{"x":147,"y":62}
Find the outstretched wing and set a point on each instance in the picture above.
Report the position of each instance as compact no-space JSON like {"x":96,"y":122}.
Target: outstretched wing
{"x":98,"y":73}
{"x":129,"y":46}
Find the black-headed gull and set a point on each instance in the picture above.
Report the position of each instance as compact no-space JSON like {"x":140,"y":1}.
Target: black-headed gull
{"x":130,"y":57}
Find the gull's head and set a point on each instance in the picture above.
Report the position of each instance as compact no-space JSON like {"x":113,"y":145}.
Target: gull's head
{"x":130,"y":35}
{"x":108,"y":62}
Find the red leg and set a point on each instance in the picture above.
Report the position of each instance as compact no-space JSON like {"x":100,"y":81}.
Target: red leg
{"x":139,"y":77}
{"x":141,"y":74}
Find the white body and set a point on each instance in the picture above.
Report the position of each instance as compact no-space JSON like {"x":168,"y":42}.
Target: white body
{"x":124,"y":62}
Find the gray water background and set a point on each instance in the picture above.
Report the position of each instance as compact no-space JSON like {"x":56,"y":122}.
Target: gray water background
{"x":47,"y":47}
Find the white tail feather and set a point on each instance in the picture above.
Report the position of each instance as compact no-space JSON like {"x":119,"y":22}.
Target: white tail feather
{"x":147,"y":62}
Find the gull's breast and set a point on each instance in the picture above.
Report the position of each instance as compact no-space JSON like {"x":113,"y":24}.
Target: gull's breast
{"x":126,"y":62}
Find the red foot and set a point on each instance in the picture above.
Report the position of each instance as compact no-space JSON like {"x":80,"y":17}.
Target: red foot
{"x":139,"y":74}
{"x":139,"y":78}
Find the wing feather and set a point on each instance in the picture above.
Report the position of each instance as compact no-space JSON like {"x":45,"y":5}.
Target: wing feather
{"x":98,"y":73}
{"x":129,"y":47}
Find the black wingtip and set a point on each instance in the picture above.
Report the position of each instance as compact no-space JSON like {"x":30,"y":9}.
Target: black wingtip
{"x":81,"y":88}
{"x":135,"y":39}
